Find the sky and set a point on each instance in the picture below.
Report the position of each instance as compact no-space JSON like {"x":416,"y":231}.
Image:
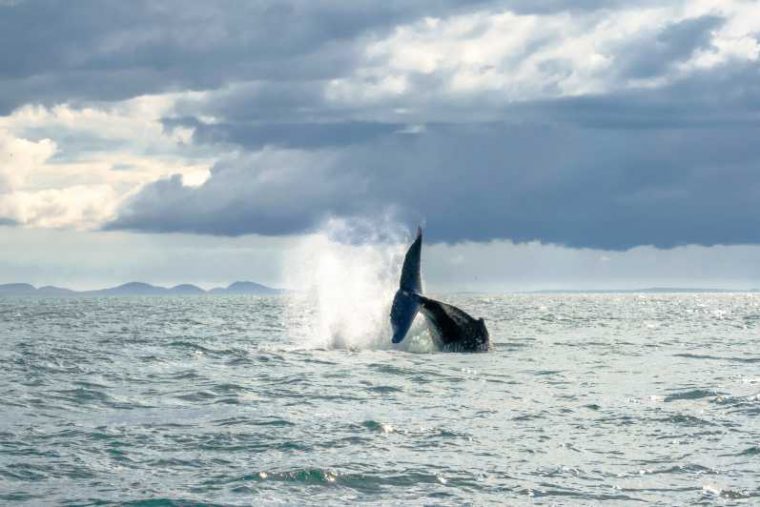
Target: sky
{"x":543,"y":144}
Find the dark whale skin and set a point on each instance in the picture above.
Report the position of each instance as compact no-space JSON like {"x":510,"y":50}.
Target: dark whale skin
{"x":452,"y":329}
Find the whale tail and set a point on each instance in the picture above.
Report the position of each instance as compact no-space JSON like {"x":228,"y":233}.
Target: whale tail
{"x":452,"y":329}
{"x":411,"y":280}
{"x":406,"y":303}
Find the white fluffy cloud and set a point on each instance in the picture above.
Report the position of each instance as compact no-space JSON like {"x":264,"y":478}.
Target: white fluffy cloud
{"x":68,"y":166}
{"x":499,"y":57}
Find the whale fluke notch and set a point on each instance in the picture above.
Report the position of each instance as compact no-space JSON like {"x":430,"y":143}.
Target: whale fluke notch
{"x":452,"y":329}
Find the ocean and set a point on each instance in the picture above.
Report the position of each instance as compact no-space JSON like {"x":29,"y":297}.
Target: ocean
{"x":586,"y":399}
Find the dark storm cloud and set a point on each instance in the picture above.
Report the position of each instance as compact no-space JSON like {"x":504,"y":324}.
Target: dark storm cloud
{"x":672,"y":166}
{"x":258,"y":114}
{"x":727,"y":96}
{"x":566,"y":184}
{"x":90,"y":50}
{"x":551,"y":6}
{"x":300,"y":135}
{"x":295,"y":190}
{"x":663,"y":166}
{"x":651,"y":55}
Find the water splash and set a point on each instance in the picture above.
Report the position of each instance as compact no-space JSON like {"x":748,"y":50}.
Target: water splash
{"x":349,"y":273}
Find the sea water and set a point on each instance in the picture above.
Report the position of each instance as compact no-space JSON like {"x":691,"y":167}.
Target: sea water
{"x":618,"y":399}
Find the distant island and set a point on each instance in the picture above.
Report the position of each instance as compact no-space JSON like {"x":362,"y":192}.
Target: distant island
{"x":253,"y":288}
{"x":139,"y":289}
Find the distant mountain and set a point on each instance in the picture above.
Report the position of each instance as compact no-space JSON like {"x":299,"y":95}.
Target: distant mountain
{"x":137,"y":289}
{"x":49,"y":290}
{"x":131,"y":289}
{"x":186,"y":288}
{"x":17,"y":289}
{"x":246,"y":288}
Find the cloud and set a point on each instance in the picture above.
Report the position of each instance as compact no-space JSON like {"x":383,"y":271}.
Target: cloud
{"x":654,"y":53}
{"x":93,"y":260}
{"x":292,"y":135}
{"x":281,"y":191}
{"x":611,"y":188}
{"x":484,"y":64}
{"x":89,"y":260}
{"x":108,"y":50}
{"x":477,"y":60}
{"x":503,"y":265}
{"x":70,"y":167}
{"x":600,"y":124}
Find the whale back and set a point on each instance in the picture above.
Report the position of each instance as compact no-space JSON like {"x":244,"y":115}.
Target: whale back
{"x":453,"y":329}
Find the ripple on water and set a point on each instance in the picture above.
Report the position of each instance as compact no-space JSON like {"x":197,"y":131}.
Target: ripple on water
{"x":751,"y":451}
{"x":693,"y":394}
{"x":190,"y":401}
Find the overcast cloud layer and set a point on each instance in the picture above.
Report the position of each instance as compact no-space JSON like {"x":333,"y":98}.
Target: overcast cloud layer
{"x":588,"y":124}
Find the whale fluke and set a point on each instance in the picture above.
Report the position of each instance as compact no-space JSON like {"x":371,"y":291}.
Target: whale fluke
{"x":411,"y":281}
{"x":405,"y":304}
{"x":452,"y":329}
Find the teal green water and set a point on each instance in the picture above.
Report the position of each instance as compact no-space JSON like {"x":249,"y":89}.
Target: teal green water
{"x":614,"y":399}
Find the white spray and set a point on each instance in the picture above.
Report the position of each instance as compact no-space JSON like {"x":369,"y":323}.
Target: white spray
{"x":345,"y":289}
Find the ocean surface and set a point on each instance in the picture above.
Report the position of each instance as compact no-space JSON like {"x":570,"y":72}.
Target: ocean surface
{"x":240,"y":400}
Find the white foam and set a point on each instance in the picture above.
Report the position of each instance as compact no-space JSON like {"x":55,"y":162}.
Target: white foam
{"x":349,"y":272}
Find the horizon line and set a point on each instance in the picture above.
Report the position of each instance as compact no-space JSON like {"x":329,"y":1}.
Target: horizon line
{"x":231,"y":287}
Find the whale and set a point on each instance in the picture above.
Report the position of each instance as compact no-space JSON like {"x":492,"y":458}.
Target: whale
{"x":451,"y":328}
